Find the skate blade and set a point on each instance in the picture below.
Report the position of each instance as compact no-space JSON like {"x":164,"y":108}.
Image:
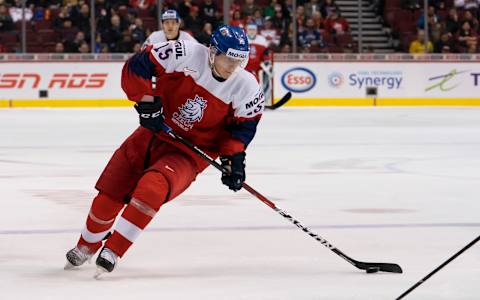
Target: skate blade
{"x":69,"y":266}
{"x":99,"y":272}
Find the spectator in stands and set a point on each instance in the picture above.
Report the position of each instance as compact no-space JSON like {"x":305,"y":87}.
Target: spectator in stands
{"x":318,"y":20}
{"x":126,"y":45}
{"x":452,"y":24}
{"x":204,"y":36}
{"x":468,"y":17}
{"x":72,"y":46}
{"x":472,"y":6}
{"x":269,"y":10}
{"x":258,"y":18}
{"x":81,"y":18}
{"x":184,"y":8}
{"x":327,"y":7}
{"x":143,"y":4}
{"x":432,"y":18}
{"x":137,"y":47}
{"x":467,"y":38}
{"x":412,"y":4}
{"x":98,"y":43}
{"x":311,"y":7}
{"x":208,"y":10}
{"x":104,"y":49}
{"x":249,"y":8}
{"x":237,"y":19}
{"x":301,"y":17}
{"x":67,"y":32}
{"x":59,"y":48}
{"x":193,"y":21}
{"x":446,"y":44}
{"x":335,"y":24}
{"x":6,"y":22}
{"x":84,"y":48}
{"x":417,"y":46}
{"x":16,"y":11}
{"x":270,"y":33}
{"x":102,"y":14}
{"x":113,"y":34}
{"x":62,"y":16}
{"x":286,"y":48}
{"x":282,"y":24}
{"x":137,"y":31}
{"x":310,"y":36}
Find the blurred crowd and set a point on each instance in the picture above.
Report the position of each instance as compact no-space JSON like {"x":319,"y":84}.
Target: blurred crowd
{"x":452,"y":26}
{"x":123,"y":25}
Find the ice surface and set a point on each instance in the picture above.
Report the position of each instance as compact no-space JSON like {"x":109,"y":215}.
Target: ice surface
{"x":391,"y":184}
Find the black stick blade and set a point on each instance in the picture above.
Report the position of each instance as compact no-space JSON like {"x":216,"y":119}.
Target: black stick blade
{"x":282,"y":101}
{"x":384,"y":267}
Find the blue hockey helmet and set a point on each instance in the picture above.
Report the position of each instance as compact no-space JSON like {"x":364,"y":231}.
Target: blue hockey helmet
{"x":231,"y":41}
{"x":171,"y":14}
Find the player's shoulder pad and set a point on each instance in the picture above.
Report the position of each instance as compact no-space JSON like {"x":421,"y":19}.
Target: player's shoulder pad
{"x":184,"y":35}
{"x":249,"y":100}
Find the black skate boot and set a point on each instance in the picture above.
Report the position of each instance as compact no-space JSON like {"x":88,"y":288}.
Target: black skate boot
{"x":80,"y":254}
{"x":106,"y":261}
{"x":77,"y":257}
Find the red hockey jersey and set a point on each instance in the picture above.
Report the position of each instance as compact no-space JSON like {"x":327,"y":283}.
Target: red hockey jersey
{"x":220,"y":117}
{"x":258,"y":54}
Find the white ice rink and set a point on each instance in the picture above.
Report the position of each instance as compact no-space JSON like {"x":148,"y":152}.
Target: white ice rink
{"x":394,"y":184}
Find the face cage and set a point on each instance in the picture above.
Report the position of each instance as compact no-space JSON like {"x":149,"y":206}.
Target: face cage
{"x":214,"y":52}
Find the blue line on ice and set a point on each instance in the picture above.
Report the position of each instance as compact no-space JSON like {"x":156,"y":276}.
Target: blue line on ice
{"x":252,"y":228}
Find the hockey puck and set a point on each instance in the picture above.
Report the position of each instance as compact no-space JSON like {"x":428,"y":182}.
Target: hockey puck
{"x":372,"y":269}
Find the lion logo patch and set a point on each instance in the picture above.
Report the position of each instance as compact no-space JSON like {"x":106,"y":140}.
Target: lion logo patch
{"x":189,"y":113}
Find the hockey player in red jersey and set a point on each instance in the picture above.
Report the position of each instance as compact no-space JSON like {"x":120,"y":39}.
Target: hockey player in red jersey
{"x":206,"y":96}
{"x":259,"y":53}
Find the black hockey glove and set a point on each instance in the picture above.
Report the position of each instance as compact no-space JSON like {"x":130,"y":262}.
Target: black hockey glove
{"x":151,"y":114}
{"x":235,"y":165}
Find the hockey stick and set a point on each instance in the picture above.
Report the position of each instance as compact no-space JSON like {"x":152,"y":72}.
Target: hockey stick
{"x":438,"y":268}
{"x":281,"y":102}
{"x":367,"y":266}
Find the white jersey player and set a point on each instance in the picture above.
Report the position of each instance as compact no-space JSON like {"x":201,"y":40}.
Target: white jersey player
{"x":171,"y":30}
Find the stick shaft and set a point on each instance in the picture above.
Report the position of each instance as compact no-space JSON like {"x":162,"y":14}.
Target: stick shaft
{"x":439,"y":268}
{"x":387,"y":267}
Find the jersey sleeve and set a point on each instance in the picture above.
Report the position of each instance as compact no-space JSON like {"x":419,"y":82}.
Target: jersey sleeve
{"x":247,"y":112}
{"x":154,"y":61}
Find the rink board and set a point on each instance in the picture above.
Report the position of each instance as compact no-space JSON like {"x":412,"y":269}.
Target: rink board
{"x":312,"y":83}
{"x":330,"y":82}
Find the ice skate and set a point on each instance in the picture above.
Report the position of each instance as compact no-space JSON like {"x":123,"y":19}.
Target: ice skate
{"x":77,"y":257}
{"x":106,"y":261}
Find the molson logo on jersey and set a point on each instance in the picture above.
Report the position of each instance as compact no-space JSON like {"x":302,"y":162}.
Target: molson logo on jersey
{"x":190,"y":112}
{"x":299,"y":80}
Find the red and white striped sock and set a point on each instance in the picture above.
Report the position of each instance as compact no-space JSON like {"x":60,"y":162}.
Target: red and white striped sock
{"x":99,"y":221}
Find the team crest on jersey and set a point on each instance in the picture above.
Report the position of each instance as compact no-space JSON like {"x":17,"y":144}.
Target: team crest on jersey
{"x":189,"y":113}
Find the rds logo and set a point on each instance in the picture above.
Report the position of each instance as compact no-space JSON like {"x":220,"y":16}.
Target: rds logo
{"x":298,"y":80}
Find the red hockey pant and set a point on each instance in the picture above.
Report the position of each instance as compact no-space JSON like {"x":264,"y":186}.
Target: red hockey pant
{"x":144,"y":172}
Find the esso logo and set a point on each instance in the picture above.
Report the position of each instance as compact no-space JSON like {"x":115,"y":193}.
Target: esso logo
{"x":299,"y":80}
